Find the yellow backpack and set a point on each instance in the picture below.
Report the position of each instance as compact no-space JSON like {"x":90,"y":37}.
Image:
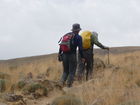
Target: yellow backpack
{"x":86,"y":39}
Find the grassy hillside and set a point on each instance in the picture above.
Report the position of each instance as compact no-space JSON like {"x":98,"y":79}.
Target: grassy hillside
{"x":118,"y":50}
{"x":115,"y":84}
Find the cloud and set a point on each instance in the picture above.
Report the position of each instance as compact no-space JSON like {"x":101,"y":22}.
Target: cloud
{"x":33,"y":27}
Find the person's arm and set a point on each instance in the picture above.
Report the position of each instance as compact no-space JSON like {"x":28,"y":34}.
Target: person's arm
{"x":60,"y":55}
{"x":60,"y":52}
{"x":96,"y":42}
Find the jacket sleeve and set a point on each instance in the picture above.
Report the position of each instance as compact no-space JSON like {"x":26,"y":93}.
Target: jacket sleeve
{"x":96,"y":42}
{"x":60,"y":51}
{"x":80,"y":46}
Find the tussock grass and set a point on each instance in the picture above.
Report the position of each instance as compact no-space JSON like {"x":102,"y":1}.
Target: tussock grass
{"x":108,"y":86}
{"x":113,"y":87}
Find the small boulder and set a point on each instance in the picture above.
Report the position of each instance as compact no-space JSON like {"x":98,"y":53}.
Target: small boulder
{"x":35,"y":88}
{"x":12,"y":97}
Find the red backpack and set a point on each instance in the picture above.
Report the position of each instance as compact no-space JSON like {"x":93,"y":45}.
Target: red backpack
{"x":66,"y":42}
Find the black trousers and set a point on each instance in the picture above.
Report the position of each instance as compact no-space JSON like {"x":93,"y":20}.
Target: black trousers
{"x":87,"y":65}
{"x":69,"y":68}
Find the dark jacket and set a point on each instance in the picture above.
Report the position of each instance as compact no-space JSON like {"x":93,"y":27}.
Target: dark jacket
{"x":77,"y":42}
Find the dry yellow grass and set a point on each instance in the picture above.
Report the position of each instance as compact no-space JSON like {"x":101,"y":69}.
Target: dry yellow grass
{"x":108,"y":87}
{"x":113,"y":87}
{"x":19,"y":68}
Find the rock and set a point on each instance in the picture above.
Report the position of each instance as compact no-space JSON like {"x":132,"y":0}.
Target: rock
{"x":35,"y":88}
{"x":39,"y":87}
{"x":36,"y":95}
{"x":12,"y":97}
{"x":67,"y":100}
{"x":2,"y":85}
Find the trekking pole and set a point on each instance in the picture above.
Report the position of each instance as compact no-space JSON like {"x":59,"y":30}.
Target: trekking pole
{"x":108,"y":57}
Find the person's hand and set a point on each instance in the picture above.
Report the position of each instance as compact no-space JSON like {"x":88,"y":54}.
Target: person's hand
{"x":60,"y":57}
{"x":107,"y":48}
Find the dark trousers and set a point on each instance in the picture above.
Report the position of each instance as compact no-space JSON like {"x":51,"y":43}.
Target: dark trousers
{"x":87,"y":65}
{"x":69,"y":68}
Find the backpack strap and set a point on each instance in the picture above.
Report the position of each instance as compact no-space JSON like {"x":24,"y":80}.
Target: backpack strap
{"x":60,"y":40}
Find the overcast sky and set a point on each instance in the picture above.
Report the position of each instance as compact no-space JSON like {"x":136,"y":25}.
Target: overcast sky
{"x":33,"y":27}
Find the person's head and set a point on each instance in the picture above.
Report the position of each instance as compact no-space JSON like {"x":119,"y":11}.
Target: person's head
{"x":95,"y":33}
{"x":76,"y":28}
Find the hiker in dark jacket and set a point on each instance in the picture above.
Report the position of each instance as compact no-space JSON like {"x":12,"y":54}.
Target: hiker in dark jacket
{"x":69,"y":56}
{"x":88,"y":55}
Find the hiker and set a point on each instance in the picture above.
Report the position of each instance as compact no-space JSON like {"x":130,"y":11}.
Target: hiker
{"x":89,"y":39}
{"x":67,"y":54}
